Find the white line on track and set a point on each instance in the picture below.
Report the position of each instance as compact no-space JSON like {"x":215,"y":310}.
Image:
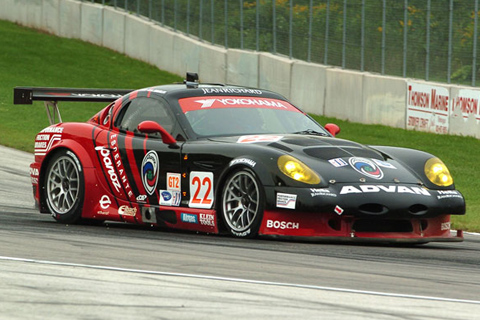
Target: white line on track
{"x":472,"y":233}
{"x":375,"y":293}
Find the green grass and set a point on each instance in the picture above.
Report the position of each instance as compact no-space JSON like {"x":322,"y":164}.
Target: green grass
{"x":31,"y":58}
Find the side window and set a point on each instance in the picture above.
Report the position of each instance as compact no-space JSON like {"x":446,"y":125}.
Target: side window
{"x":141,"y":109}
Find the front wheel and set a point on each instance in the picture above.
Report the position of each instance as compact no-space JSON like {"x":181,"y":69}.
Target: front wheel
{"x":242,"y":204}
{"x":64,"y":187}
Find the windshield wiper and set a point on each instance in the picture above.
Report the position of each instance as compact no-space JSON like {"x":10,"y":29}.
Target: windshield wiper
{"x":312,"y":132}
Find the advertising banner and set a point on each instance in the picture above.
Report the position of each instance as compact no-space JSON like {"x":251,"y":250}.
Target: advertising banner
{"x":428,"y":107}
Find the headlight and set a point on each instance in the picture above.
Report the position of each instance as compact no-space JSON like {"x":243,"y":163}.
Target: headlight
{"x":437,"y":172}
{"x":297,"y":170}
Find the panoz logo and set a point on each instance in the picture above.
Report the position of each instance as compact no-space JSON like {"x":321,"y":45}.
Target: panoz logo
{"x":105,"y":153}
{"x":150,"y":168}
{"x":366,"y":167}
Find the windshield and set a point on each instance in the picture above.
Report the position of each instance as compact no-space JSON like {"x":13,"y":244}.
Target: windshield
{"x":216,"y":116}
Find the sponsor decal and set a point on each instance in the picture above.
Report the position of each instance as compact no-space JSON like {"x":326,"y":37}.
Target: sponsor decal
{"x":105,"y":202}
{"x":150,"y":168}
{"x":384,"y":164}
{"x":170,"y":198}
{"x":103,"y":213}
{"x":221,"y":102}
{"x":201,"y":190}
{"x":286,"y":201}
{"x":315,"y":192}
{"x":153,"y":90}
{"x":52,"y":130}
{"x":207,"y":219}
{"x":107,"y":162}
{"x":173,"y":181}
{"x":445,"y":226}
{"x":338,"y":210}
{"x":366,"y":188}
{"x":93,"y":95}
{"x":259,"y":138}
{"x":74,"y":157}
{"x":283,"y":225}
{"x":338,"y":162}
{"x":239,"y":102}
{"x":448,"y":194}
{"x":241,"y":234}
{"x":46,"y":138}
{"x":127,"y":211}
{"x":189,"y":218}
{"x":141,"y":198}
{"x":428,"y":107}
{"x":231,"y":90}
{"x":246,"y":161}
{"x":34,"y":172}
{"x":366,"y":167}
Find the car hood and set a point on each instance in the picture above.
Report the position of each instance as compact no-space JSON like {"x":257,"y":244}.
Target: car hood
{"x":334,"y":159}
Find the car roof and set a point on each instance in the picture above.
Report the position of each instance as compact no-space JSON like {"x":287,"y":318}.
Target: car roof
{"x":182,"y":90}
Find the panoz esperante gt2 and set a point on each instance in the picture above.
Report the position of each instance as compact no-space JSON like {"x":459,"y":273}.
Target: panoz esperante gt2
{"x":224,"y":159}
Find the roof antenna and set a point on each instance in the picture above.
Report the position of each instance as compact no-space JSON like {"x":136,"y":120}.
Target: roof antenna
{"x":192,"y":80}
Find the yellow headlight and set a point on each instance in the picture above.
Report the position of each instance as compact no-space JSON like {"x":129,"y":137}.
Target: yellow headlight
{"x":437,"y":172}
{"x":297,"y":170}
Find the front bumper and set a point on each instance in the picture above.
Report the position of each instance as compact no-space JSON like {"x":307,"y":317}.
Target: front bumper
{"x":346,"y":212}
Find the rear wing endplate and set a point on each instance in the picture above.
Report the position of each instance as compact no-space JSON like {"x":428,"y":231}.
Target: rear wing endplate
{"x":51,"y":96}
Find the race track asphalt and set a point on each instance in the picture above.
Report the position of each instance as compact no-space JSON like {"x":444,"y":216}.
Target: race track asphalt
{"x":119,"y":271}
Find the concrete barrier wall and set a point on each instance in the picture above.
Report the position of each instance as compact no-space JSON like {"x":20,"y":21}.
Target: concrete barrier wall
{"x":213,"y":64}
{"x":114,"y":29}
{"x":91,"y":26}
{"x":274,"y":73}
{"x":161,"y":48}
{"x":186,"y":53}
{"x":137,"y":38}
{"x":242,"y":68}
{"x":69,"y":17}
{"x":318,"y":89}
{"x":50,"y":17}
{"x":27,"y":12}
{"x":344,"y":94}
{"x":384,"y":100}
{"x":307,"y":86}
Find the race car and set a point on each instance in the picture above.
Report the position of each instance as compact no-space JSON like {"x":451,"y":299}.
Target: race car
{"x":215,"y":158}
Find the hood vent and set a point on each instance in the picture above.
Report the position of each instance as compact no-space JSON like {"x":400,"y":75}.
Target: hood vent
{"x":305,"y":142}
{"x":280,"y":146}
{"x":327,"y":153}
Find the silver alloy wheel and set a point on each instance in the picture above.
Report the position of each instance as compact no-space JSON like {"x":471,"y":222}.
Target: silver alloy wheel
{"x":63,"y":183}
{"x":241,"y":201}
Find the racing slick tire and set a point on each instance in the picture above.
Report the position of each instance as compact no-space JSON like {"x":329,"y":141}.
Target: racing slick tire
{"x":242,"y":204}
{"x":64,"y":187}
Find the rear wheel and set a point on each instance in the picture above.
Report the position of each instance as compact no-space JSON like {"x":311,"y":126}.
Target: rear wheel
{"x":64,"y":187}
{"x":242,"y":204}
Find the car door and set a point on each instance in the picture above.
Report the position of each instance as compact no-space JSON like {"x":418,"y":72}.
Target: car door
{"x":142,"y":165}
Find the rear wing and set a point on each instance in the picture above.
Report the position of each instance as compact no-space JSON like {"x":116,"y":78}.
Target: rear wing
{"x":51,"y":96}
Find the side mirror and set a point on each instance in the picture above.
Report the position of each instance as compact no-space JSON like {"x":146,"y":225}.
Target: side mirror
{"x":332,"y":128}
{"x":153,"y":127}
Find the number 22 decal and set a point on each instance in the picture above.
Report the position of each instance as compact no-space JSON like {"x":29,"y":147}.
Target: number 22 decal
{"x":201,"y":189}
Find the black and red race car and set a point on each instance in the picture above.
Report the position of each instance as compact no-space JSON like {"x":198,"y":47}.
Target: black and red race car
{"x":225,"y":159}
